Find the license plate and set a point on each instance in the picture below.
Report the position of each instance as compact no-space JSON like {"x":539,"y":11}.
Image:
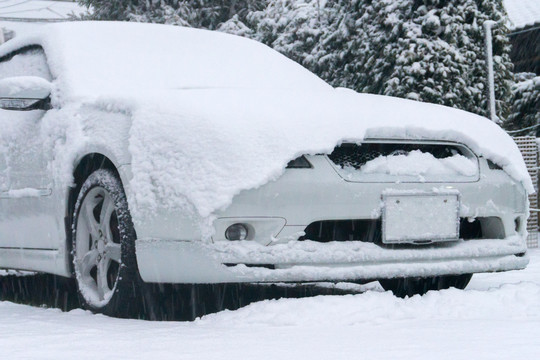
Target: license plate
{"x":420,"y":217}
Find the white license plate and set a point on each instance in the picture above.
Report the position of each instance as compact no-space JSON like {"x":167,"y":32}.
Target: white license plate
{"x":420,"y":218}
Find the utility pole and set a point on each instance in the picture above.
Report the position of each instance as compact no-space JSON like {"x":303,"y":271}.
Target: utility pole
{"x":488,"y":26}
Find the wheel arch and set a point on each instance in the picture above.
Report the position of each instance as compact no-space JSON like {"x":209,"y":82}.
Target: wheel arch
{"x":83,"y":167}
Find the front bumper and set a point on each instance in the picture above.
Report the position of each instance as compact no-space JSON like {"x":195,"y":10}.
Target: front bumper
{"x":170,"y":249}
{"x":169,"y":261}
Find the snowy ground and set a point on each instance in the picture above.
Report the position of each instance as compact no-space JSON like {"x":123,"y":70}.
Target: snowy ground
{"x":497,"y":317}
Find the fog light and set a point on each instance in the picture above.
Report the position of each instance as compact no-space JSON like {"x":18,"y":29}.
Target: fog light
{"x":236,"y":232}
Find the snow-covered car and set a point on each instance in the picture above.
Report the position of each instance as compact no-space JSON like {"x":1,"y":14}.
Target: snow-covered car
{"x":148,"y":153}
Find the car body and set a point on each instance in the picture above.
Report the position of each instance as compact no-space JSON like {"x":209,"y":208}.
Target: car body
{"x":210,"y":144}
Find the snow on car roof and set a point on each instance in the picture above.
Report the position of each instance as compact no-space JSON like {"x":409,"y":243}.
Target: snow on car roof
{"x":214,"y":114}
{"x":132,"y":58}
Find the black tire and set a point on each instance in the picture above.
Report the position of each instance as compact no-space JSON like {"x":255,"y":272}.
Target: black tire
{"x":402,"y":287}
{"x":111,"y":285}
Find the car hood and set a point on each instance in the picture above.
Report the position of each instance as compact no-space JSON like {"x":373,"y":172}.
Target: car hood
{"x":200,"y":147}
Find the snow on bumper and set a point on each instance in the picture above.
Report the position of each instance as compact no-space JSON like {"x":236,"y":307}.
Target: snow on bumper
{"x":169,"y":261}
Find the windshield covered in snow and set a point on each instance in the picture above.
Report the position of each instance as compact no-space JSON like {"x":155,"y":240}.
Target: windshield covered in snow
{"x":124,"y":59}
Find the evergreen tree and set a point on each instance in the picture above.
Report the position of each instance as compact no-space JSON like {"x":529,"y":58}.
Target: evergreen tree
{"x":112,"y":9}
{"x":525,"y":105}
{"x":207,"y":14}
{"x":427,"y":50}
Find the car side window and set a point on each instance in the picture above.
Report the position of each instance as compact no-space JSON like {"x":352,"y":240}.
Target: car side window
{"x":30,"y":61}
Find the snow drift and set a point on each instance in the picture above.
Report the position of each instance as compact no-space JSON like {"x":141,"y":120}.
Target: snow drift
{"x":214,"y":114}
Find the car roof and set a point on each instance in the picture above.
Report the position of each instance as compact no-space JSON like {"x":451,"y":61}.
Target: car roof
{"x":121,"y":57}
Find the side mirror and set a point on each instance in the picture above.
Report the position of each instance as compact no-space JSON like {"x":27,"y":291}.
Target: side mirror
{"x":25,"y":93}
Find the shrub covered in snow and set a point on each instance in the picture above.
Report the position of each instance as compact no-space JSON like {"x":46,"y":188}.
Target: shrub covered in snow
{"x":525,"y":104}
{"x":197,"y":13}
{"x":426,"y":50}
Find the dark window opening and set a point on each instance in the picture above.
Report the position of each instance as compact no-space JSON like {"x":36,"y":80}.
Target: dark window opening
{"x":371,"y":230}
{"x":356,"y":155}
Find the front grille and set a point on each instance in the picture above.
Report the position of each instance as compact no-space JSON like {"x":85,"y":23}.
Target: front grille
{"x":355,"y":155}
{"x":344,"y":230}
{"x":470,"y":229}
{"x":371,"y":230}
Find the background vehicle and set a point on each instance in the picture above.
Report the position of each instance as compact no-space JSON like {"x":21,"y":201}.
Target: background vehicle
{"x":127,"y":159}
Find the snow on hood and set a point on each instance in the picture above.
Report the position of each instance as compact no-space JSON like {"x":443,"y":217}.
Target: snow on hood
{"x":214,"y":114}
{"x":220,"y":142}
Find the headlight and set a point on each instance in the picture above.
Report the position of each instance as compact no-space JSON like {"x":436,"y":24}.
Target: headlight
{"x":236,"y":232}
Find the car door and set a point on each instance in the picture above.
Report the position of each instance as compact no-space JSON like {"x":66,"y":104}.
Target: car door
{"x":26,"y":215}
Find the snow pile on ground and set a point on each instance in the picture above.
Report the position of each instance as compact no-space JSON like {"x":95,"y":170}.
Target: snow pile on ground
{"x":376,"y":307}
{"x":216,"y":114}
{"x":497,"y":317}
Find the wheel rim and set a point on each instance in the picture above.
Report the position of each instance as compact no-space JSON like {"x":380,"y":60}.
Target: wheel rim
{"x":97,"y":247}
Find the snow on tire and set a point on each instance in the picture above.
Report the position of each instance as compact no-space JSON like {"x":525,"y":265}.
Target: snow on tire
{"x":104,"y":261}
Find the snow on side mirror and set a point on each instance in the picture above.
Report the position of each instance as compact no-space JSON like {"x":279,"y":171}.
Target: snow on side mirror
{"x":25,"y":93}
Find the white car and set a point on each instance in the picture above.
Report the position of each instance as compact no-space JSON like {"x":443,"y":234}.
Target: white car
{"x":136,"y":152}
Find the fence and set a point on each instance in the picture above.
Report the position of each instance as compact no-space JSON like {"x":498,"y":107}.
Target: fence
{"x":529,"y":149}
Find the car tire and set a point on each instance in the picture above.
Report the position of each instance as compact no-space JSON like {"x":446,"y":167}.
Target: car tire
{"x":103,"y":243}
{"x":402,"y":287}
